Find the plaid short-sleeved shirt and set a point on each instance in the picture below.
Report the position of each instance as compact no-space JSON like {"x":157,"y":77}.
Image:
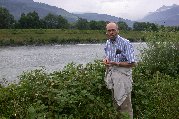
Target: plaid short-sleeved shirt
{"x":120,"y":50}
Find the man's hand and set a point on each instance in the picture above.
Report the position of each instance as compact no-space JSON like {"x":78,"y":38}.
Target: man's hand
{"x":106,"y":62}
{"x":119,"y":64}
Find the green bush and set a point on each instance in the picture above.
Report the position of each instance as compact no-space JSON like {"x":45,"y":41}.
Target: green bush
{"x":161,"y":55}
{"x":155,"y":97}
{"x":75,"y":92}
{"x":156,"y":80}
{"x":79,"y":92}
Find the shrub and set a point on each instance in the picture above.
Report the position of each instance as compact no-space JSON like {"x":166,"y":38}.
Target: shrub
{"x":75,"y":92}
{"x":161,"y":55}
{"x":156,"y":81}
{"x":155,"y":96}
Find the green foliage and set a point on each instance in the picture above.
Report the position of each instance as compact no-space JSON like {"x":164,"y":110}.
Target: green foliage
{"x":49,"y":36}
{"x":123,"y":25}
{"x":78,"y":91}
{"x":53,"y":21}
{"x":7,"y":20}
{"x":155,"y":96}
{"x":143,"y":26}
{"x":156,"y":80}
{"x":74,"y":92}
{"x":60,"y":36}
{"x":82,"y":24}
{"x":162,"y":55}
{"x":97,"y":25}
{"x":29,"y":20}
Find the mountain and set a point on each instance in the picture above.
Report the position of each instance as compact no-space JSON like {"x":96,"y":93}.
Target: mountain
{"x":103,"y":17}
{"x":17,"y":7}
{"x":165,"y":15}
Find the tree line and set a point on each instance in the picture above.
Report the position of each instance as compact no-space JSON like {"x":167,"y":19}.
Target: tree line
{"x":32,"y":20}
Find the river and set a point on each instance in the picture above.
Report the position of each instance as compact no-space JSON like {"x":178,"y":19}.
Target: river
{"x":16,"y":60}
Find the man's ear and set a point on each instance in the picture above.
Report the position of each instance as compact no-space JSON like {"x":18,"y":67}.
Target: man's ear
{"x":117,"y":31}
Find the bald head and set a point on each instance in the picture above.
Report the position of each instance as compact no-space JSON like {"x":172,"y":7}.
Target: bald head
{"x":112,"y":25}
{"x":112,"y":30}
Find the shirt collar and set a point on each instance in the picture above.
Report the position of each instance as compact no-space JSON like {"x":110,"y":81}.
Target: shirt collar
{"x":113,"y":41}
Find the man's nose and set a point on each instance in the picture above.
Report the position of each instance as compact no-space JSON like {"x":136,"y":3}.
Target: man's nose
{"x":111,"y":32}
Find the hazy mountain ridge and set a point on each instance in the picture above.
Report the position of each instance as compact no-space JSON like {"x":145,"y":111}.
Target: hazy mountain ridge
{"x":165,"y":15}
{"x":98,"y":17}
{"x":17,"y":7}
{"x":103,"y":17}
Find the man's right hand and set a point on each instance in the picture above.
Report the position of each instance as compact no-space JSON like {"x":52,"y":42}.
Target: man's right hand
{"x":106,"y":61}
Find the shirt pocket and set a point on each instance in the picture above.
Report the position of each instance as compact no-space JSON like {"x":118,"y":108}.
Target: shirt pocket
{"x":120,"y":57}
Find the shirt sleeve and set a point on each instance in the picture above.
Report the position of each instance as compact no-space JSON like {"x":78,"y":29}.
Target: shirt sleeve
{"x":130,"y":53}
{"x":105,"y":50}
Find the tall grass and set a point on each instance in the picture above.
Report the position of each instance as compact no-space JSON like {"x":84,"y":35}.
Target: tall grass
{"x":48,"y":36}
{"x":16,"y":37}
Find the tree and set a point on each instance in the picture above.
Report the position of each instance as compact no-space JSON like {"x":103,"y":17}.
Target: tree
{"x":93,"y":25}
{"x":97,"y":25}
{"x":82,"y":24}
{"x":50,"y":21}
{"x":31,"y":20}
{"x":7,"y":20}
{"x":142,"y":26}
{"x":122,"y":25}
{"x":139,"y":26}
{"x":54,"y":21}
{"x":62,"y":22}
{"x":101,"y":25}
{"x":151,"y":27}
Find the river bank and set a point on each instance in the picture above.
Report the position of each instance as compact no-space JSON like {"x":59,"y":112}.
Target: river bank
{"x":21,"y":37}
{"x":15,"y":60}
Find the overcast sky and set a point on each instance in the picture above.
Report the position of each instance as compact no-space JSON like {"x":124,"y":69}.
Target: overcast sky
{"x":127,"y":9}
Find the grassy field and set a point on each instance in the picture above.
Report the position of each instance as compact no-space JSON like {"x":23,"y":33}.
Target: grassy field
{"x":18,"y":37}
{"x":59,"y":36}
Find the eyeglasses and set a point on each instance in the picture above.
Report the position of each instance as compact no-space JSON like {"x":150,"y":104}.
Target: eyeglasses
{"x":111,"y":30}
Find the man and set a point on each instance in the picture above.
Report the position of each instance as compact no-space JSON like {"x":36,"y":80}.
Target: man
{"x":119,"y":61}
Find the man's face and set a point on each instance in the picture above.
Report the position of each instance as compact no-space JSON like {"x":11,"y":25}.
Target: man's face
{"x":112,"y":31}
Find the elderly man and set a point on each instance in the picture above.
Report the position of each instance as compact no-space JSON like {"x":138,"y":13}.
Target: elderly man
{"x":119,"y":61}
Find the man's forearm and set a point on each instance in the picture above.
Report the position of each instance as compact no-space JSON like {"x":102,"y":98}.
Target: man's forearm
{"x":124,"y":64}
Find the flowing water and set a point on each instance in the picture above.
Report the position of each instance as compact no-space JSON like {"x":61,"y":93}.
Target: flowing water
{"x":16,"y":60}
